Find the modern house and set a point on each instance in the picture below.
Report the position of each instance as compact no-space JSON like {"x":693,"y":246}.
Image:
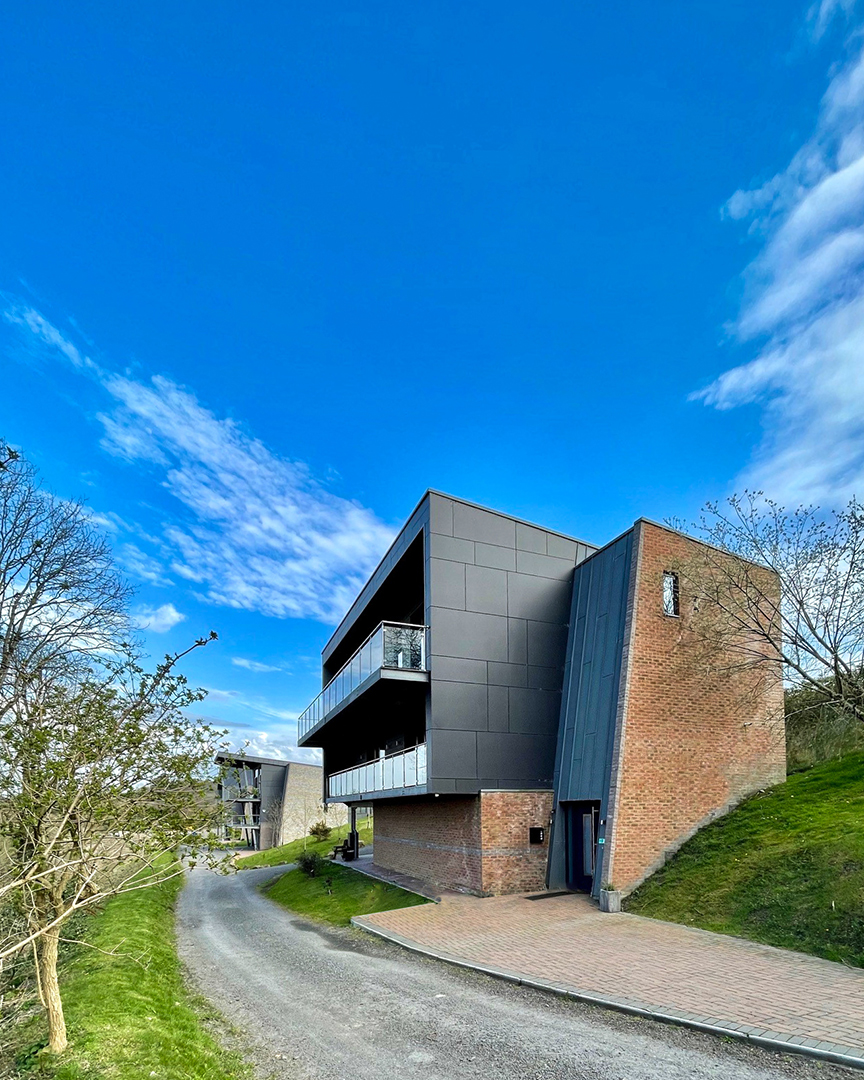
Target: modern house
{"x":522,"y":708}
{"x":269,"y":801}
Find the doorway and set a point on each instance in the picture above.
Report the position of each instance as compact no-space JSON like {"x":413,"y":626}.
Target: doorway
{"x":581,"y":819}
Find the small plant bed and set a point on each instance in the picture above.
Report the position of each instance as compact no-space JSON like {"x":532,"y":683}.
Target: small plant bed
{"x":786,"y":868}
{"x":289,"y":853}
{"x":333,"y":894}
{"x":129,"y":1020}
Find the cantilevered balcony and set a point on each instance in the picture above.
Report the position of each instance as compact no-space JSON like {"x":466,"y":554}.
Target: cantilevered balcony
{"x":392,"y":651}
{"x":397,"y":773}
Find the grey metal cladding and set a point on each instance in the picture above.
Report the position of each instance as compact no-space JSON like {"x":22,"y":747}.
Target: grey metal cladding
{"x":499,"y":708}
{"x":447,"y":584}
{"x":562,"y":548}
{"x":530,"y":539}
{"x":472,"y":523}
{"x":544,"y":678}
{"x":459,"y":705}
{"x":510,"y":674}
{"x":457,"y":669}
{"x":592,"y":675}
{"x":452,"y":755}
{"x":534,"y":711}
{"x":530,"y":562}
{"x":451,"y":547}
{"x":517,"y":641}
{"x":468,"y":634}
{"x":501,"y":558}
{"x":510,"y":756}
{"x":540,"y":598}
{"x":547,"y":644}
{"x":485,"y":590}
{"x":440,"y":514}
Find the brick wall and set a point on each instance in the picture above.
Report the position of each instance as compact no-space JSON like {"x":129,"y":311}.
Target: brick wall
{"x":510,"y":863}
{"x":476,"y":843}
{"x":696,"y":738}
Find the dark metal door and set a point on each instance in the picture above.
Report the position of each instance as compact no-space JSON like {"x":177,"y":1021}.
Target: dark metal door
{"x":581,"y":829}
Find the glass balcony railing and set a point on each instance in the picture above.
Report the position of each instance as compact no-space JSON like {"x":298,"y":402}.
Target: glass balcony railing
{"x":404,"y":770}
{"x":391,"y":645}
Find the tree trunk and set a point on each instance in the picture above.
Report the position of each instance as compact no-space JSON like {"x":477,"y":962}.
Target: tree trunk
{"x":48,"y":947}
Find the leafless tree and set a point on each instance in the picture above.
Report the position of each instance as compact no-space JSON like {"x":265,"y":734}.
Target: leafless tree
{"x":795,"y":593}
{"x":102,"y":774}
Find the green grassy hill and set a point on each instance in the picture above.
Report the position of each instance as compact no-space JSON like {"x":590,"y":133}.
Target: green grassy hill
{"x":786,"y":868}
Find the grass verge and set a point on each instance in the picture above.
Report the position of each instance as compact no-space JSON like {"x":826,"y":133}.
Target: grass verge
{"x":338,"y":895}
{"x":287,"y":853}
{"x":786,"y":868}
{"x":130,"y":1020}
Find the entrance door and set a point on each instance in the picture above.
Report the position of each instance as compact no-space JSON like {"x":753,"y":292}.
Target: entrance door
{"x":581,"y":828}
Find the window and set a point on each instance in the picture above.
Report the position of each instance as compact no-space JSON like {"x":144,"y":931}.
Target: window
{"x":670,"y":594}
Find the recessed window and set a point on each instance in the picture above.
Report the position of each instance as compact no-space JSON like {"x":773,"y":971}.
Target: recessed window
{"x":670,"y":594}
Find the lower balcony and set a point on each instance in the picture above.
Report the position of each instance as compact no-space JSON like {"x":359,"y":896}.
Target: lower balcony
{"x":396,"y":774}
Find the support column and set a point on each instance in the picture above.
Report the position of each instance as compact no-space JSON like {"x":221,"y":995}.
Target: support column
{"x":353,"y":837}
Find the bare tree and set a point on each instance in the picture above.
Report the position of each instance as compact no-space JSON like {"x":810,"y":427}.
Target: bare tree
{"x":795,"y":593}
{"x":102,"y":775}
{"x":101,"y":780}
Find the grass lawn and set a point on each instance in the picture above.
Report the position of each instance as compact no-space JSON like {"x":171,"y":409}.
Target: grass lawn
{"x":127,"y":1021}
{"x":786,"y":868}
{"x":348,"y":893}
{"x":287,"y":853}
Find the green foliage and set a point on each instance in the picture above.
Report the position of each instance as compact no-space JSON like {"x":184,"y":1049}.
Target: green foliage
{"x":786,"y":868}
{"x":320,"y":830}
{"x":289,"y":853}
{"x":338,"y":895}
{"x":129,"y":1020}
{"x":311,"y":863}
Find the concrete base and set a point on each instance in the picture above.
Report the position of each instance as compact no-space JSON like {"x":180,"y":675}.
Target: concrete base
{"x":610,"y":900}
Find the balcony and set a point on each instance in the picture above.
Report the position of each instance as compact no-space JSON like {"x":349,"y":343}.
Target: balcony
{"x":394,"y":773}
{"x":393,"y":650}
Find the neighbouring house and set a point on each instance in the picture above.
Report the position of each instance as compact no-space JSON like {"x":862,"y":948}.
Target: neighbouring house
{"x":523,"y":711}
{"x":269,"y":801}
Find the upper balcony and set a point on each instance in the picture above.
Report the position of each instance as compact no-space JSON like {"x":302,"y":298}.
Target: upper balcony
{"x":392,"y":651}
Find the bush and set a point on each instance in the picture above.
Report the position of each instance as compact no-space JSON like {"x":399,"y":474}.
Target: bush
{"x":311,"y":863}
{"x":320,"y":830}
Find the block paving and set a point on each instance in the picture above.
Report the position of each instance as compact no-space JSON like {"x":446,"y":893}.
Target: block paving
{"x":706,"y":980}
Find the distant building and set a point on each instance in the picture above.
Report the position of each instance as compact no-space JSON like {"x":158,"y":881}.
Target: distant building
{"x":522,"y":709}
{"x":270,"y":801}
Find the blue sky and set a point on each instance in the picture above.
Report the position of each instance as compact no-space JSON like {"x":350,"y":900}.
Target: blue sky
{"x":269,"y":272}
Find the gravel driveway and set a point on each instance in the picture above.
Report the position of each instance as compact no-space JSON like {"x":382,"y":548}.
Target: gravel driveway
{"x":336,"y":1004}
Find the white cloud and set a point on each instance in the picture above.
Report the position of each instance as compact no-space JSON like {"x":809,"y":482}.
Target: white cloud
{"x":254,"y":665}
{"x":253,"y":530}
{"x":159,"y":620}
{"x":804,"y":306}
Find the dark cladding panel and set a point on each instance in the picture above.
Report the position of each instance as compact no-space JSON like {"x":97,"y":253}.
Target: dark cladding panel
{"x":506,"y":757}
{"x":468,"y":634}
{"x":459,"y":705}
{"x":592,"y":676}
{"x":452,"y":755}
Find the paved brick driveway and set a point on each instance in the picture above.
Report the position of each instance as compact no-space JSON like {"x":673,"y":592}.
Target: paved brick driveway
{"x":686,"y":974}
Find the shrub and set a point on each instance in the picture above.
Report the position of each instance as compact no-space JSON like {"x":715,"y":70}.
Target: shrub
{"x":311,"y":863}
{"x":320,"y":830}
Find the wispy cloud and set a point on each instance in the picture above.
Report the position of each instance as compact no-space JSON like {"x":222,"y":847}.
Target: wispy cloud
{"x":804,"y":305}
{"x":252,"y":529}
{"x":254,"y":665}
{"x":159,"y":620}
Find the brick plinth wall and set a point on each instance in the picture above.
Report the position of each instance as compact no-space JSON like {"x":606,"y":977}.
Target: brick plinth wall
{"x":475,"y":843}
{"x":696,"y":738}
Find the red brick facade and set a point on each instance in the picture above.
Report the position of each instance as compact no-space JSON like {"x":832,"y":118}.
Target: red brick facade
{"x":692,"y":740}
{"x":478,"y":843}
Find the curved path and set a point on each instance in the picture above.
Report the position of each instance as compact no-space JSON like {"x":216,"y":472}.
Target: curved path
{"x":320,"y":1004}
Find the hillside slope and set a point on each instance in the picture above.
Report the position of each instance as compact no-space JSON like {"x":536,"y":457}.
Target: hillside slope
{"x":786,"y":868}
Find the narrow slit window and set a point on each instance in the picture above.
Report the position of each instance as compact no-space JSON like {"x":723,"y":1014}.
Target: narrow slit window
{"x":670,"y":594}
